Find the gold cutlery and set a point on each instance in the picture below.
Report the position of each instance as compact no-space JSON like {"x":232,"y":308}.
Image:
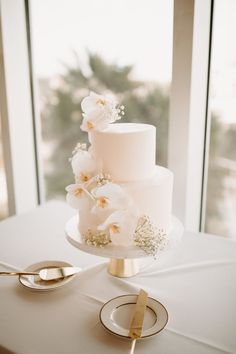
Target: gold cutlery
{"x":49,"y":273}
{"x":135,"y":330}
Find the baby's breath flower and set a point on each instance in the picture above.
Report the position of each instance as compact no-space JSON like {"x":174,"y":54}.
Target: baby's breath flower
{"x":79,"y":146}
{"x":103,"y":178}
{"x":148,"y":237}
{"x":97,"y":238}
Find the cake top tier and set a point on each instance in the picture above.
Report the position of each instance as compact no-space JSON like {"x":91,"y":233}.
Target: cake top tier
{"x":126,"y":151}
{"x":127,"y":128}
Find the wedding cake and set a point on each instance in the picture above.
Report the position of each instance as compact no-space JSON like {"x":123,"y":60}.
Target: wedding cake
{"x":122,"y":197}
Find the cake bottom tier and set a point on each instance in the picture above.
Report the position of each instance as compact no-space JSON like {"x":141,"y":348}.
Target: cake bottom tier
{"x":153,"y":197}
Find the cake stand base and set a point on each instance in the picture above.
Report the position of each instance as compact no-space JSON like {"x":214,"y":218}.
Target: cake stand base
{"x":123,"y":268}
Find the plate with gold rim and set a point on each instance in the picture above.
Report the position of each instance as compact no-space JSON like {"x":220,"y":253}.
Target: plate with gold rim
{"x":35,"y":283}
{"x":116,"y":315}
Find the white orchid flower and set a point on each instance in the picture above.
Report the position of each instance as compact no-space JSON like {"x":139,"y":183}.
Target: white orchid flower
{"x":95,"y":120}
{"x":84,"y":166}
{"x":78,"y":197}
{"x":110,"y":196}
{"x":95,"y":102}
{"x":121,"y":226}
{"x":99,"y":111}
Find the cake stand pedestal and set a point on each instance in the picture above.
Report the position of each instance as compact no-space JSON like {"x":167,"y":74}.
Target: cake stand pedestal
{"x":123,"y":268}
{"x":123,"y":260}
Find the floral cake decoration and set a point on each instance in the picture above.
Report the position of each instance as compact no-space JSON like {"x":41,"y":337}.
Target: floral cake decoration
{"x":114,"y":218}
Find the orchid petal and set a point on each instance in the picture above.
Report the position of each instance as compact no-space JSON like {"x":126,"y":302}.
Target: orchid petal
{"x":78,"y":198}
{"x":121,"y":225}
{"x":84,"y":166}
{"x":98,"y":112}
{"x":110,"y":196}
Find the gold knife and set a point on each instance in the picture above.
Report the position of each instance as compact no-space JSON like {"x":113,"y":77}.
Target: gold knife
{"x":135,"y":330}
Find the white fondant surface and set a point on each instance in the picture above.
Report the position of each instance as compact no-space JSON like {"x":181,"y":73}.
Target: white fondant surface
{"x":126,"y":151}
{"x":153,"y":197}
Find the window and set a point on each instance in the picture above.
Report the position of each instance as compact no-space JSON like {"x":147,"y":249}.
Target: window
{"x":104,"y":46}
{"x":76,"y":46}
{"x":221,"y":183}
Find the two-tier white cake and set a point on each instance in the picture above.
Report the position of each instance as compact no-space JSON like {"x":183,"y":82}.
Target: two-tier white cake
{"x":127,"y":152}
{"x":123,"y":198}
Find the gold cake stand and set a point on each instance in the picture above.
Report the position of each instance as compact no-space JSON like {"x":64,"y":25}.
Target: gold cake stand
{"x":123,"y":260}
{"x":123,"y":267}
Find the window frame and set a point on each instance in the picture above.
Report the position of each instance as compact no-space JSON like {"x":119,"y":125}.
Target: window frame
{"x":188,"y":102}
{"x":16,"y":109}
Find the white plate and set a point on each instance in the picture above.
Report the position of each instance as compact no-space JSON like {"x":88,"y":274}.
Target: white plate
{"x":117,"y":313}
{"x":35,"y":283}
{"x":111,"y":251}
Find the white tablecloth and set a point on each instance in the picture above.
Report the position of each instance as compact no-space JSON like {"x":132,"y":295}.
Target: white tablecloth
{"x":196,"y":282}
